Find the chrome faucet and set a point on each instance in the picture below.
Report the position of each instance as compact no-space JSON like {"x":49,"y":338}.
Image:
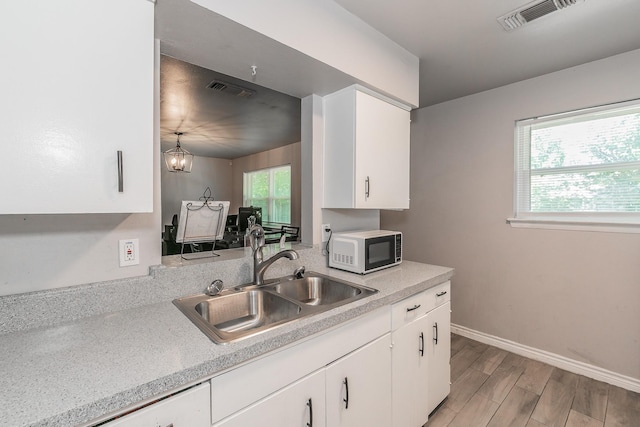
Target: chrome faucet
{"x":256,"y":236}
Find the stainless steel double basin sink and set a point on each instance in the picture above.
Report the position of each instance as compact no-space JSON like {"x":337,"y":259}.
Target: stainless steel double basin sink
{"x":250,"y":310}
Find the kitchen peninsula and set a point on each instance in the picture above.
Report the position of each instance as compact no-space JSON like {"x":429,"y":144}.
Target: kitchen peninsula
{"x":80,"y":355}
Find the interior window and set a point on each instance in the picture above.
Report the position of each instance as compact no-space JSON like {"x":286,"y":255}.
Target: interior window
{"x":269,"y":189}
{"x":580,"y":166}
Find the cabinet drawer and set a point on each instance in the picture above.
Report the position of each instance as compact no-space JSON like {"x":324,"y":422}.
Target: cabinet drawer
{"x":441,"y":294}
{"x":190,"y":408}
{"x":411,"y":308}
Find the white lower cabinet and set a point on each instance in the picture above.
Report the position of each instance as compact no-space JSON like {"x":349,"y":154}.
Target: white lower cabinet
{"x":342,"y":378}
{"x":438,"y":353}
{"x":362,"y":373}
{"x":190,"y":408}
{"x":420,"y":356}
{"x":410,"y":373}
{"x":353,"y":391}
{"x":359,"y":387}
{"x":299,"y":404}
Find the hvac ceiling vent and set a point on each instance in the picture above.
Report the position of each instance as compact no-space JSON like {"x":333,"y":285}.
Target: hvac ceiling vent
{"x":532,"y":11}
{"x":231,"y":89}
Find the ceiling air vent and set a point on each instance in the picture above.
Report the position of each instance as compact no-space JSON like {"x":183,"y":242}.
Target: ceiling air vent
{"x":531,"y":11}
{"x":231,"y":89}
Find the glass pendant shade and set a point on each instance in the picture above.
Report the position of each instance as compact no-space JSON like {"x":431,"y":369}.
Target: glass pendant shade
{"x":178,"y":159}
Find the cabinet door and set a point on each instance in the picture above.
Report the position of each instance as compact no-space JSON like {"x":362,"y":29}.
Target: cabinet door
{"x":382,"y":154}
{"x":439,"y":355}
{"x":410,"y":370}
{"x":187,"y":409}
{"x":366,"y":152}
{"x":76,"y":89}
{"x":299,"y":404}
{"x":359,"y":387}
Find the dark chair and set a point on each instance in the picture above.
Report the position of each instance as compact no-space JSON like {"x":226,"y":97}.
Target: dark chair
{"x":244,"y":213}
{"x":292,"y":233}
{"x":232,"y":223}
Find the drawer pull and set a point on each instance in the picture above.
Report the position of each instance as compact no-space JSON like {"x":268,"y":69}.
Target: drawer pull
{"x":346,"y":386}
{"x":439,"y":294}
{"x":310,"y":405}
{"x":415,"y":307}
{"x":421,"y":349}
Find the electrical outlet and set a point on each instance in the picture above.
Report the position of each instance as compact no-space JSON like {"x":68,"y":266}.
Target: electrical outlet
{"x":129,"y":254}
{"x":326,"y":232}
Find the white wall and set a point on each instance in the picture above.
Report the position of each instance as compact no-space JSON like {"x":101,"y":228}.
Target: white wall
{"x":312,"y":135}
{"x":205,"y":172}
{"x":571,"y":293}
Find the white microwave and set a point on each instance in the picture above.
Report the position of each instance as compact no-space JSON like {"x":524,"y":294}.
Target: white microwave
{"x":365,"y":251}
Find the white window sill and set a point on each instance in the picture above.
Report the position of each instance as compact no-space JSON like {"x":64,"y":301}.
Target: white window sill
{"x":575,"y":224}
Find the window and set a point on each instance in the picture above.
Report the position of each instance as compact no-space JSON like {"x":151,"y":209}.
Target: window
{"x":580,"y":167}
{"x":269,"y":189}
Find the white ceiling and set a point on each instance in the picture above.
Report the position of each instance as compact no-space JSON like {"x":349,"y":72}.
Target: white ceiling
{"x":463,"y":49}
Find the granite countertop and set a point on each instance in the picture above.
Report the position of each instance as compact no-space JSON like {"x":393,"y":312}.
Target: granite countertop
{"x":79,"y":370}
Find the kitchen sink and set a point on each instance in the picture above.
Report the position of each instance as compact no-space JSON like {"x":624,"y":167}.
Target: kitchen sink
{"x":233,"y":315}
{"x":319,"y":290}
{"x":236,"y":314}
{"x":246,"y":310}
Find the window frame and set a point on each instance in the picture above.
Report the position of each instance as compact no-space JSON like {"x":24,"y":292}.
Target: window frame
{"x":271,"y":197}
{"x":627,"y":222}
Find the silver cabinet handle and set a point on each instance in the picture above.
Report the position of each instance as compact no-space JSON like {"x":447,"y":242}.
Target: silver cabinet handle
{"x":367,"y":187}
{"x":421,"y":348}
{"x":120,"y":177}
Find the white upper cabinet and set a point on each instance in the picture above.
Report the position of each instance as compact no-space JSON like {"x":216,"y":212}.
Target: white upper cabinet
{"x":77,"y":87}
{"x":366,"y":151}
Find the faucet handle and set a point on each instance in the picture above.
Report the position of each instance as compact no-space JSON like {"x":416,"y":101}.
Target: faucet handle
{"x":256,"y":237}
{"x":214,"y":288}
{"x":298,"y":273}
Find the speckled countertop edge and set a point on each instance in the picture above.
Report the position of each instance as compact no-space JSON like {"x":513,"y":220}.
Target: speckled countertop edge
{"x":123,"y":342}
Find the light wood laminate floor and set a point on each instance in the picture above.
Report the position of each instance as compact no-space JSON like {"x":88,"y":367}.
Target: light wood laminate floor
{"x":496,"y":388}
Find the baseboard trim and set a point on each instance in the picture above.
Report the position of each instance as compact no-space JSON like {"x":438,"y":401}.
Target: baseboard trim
{"x":577,"y":367}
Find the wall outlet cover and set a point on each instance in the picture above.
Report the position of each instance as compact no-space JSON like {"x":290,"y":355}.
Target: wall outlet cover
{"x":129,"y":252}
{"x":325,"y":233}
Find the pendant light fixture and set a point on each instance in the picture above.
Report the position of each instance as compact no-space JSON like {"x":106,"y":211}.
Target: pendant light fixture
{"x":178,"y":159}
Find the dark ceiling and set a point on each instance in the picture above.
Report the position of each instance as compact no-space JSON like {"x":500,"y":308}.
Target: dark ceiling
{"x":219,"y":123}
